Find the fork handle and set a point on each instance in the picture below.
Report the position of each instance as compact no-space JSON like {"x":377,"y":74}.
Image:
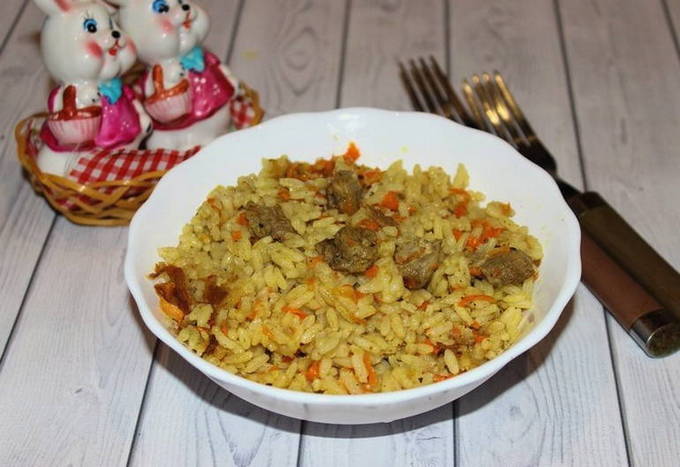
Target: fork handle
{"x":632,"y":280}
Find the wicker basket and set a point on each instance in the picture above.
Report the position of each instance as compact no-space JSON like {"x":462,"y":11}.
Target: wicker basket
{"x":98,"y":204}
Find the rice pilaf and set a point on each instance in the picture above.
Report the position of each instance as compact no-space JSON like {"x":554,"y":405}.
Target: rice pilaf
{"x":337,"y":278}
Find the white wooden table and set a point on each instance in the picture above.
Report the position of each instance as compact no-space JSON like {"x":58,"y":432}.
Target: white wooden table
{"x":83,"y":383}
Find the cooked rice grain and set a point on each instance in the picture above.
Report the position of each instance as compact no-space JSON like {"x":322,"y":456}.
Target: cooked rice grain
{"x":289,"y":320}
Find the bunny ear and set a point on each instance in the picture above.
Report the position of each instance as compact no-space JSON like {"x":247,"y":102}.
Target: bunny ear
{"x":51,"y":7}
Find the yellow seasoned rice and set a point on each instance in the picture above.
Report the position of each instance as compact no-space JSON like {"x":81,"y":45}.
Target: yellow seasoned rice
{"x":289,"y":320}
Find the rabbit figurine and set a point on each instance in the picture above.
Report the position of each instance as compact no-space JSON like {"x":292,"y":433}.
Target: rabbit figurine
{"x":91,"y":109}
{"x":186,"y":89}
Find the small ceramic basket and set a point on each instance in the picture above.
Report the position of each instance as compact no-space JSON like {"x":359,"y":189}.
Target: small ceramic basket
{"x":72,"y":132}
{"x":171,"y":108}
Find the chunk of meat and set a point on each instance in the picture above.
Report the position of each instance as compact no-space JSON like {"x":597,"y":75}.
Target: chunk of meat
{"x":417,"y":260}
{"x":352,"y":250}
{"x":265,"y":220}
{"x":344,"y":192}
{"x":511,"y":267}
{"x":176,"y":290}
{"x":378,"y":216}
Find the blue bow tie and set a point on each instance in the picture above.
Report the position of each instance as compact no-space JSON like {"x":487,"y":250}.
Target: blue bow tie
{"x":194,"y":60}
{"x":112,"y":90}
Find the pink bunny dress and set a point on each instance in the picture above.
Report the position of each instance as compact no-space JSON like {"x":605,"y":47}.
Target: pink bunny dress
{"x":210,"y":91}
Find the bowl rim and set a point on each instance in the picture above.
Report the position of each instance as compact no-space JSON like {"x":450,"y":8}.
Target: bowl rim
{"x":476,"y":375}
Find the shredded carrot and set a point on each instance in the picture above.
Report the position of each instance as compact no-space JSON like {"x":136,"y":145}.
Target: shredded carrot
{"x":242,"y":219}
{"x":213,"y":204}
{"x":475,"y":325}
{"x":457,"y":233}
{"x":475,"y":271}
{"x":479,"y":338}
{"x":461,"y":192}
{"x":423,"y":305}
{"x":310,"y":281}
{"x":311,"y":262}
{"x":284,"y":194}
{"x":411,"y":210}
{"x":324,"y":167}
{"x":171,"y":310}
{"x":358,"y":320}
{"x":296,"y":311}
{"x":236,"y":235}
{"x":371,"y":176}
{"x":372,"y":271}
{"x":460,"y":210}
{"x":287,"y":359}
{"x":438,"y":378}
{"x":254,"y":311}
{"x":390,"y":201}
{"x":398,"y":218}
{"x":456,"y":332}
{"x":273,"y":368}
{"x":471,"y":298}
{"x":313,"y":371}
{"x":349,"y":292}
{"x":352,"y":154}
{"x":369,"y":224}
{"x":267,"y":332}
{"x":473,"y":243}
{"x":224,"y":328}
{"x":372,"y":377}
{"x":435,"y":347}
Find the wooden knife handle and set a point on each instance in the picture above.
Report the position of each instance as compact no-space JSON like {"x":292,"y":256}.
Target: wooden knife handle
{"x":638,"y":287}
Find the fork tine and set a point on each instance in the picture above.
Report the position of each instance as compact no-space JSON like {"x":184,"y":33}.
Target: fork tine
{"x":443,"y":103}
{"x":413,"y":96}
{"x":422,"y":87}
{"x":458,"y":106}
{"x":502,"y":110}
{"x":511,"y":103}
{"x":489,"y":112}
{"x":474,"y":106}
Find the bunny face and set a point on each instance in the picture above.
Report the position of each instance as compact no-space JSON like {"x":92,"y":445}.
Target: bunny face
{"x":163,"y":29}
{"x":81,"y":41}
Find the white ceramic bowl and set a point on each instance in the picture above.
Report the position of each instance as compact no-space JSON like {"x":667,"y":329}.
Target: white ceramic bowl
{"x":495,"y":169}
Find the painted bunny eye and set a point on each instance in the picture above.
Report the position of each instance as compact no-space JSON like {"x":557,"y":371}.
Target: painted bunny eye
{"x":90,"y":25}
{"x":160,"y":6}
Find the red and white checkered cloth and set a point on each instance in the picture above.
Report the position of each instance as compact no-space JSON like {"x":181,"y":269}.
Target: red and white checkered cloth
{"x":243,"y":111}
{"x":106,"y":166}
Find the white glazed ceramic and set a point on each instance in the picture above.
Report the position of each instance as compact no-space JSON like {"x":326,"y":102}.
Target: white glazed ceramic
{"x":164,"y":32}
{"x":382,"y":136}
{"x":83,"y":47}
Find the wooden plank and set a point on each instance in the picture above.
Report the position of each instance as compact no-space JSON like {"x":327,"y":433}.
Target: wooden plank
{"x":379,"y":33}
{"x":189,"y":420}
{"x":624,"y":66}
{"x":424,"y":440}
{"x":556,"y":404}
{"x":24,"y":217}
{"x":11,"y":11}
{"x":72,"y":379}
{"x":274,"y":40}
{"x":672,"y":11}
{"x":289,"y":51}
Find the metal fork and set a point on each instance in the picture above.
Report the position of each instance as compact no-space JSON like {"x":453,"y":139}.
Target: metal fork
{"x":634,"y":282}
